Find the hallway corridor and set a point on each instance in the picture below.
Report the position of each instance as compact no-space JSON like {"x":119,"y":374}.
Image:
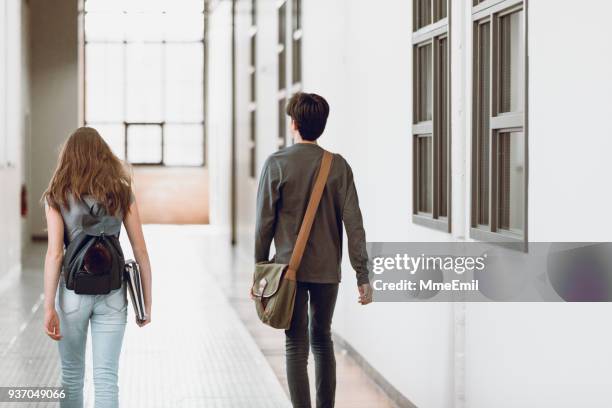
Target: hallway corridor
{"x":196,"y":353}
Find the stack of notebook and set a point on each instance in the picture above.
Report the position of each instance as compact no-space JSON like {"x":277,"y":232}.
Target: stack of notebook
{"x":134,"y":284}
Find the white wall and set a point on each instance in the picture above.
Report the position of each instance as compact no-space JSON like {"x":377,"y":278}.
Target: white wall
{"x":54,"y":93}
{"x":358,"y":55}
{"x":366,"y":74}
{"x":13,"y":113}
{"x":556,"y":355}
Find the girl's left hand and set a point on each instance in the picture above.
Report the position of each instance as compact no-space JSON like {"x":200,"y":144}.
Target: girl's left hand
{"x":142,"y":323}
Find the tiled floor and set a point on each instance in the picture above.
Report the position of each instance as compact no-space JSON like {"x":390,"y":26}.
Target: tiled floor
{"x":205,"y":347}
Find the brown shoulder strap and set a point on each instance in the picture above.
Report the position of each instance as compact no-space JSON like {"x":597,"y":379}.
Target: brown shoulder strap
{"x":311,"y":210}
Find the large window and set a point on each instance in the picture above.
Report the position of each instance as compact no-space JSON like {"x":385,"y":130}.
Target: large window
{"x":431,"y":124}
{"x":499,"y":131}
{"x":289,"y":60}
{"x":144,"y":79}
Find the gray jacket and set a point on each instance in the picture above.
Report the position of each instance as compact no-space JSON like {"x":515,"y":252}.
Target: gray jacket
{"x":284,"y":189}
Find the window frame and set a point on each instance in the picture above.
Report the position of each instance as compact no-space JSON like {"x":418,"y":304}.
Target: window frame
{"x":492,"y":11}
{"x":432,"y":34}
{"x":282,"y":70}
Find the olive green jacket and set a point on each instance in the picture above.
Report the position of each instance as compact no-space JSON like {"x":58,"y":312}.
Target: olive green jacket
{"x":284,"y":189}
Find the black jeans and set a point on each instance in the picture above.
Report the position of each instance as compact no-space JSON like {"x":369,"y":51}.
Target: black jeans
{"x":322,"y":303}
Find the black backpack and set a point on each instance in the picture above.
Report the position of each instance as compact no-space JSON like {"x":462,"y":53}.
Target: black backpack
{"x":93,"y":261}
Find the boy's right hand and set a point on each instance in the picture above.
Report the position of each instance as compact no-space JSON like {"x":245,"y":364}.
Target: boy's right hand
{"x":365,"y":294}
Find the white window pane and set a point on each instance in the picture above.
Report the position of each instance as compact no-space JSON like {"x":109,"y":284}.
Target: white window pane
{"x":144,"y":82}
{"x":195,"y":6}
{"x":104,"y":81}
{"x":184,"y":26}
{"x":104,"y":26}
{"x":144,"y":144}
{"x":184,"y":145}
{"x":104,"y":5}
{"x":184,"y":82}
{"x":114,"y":135}
{"x":144,"y":26}
{"x":138,"y":6}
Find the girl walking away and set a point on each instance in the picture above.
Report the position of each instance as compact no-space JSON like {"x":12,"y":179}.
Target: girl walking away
{"x":88,"y":198}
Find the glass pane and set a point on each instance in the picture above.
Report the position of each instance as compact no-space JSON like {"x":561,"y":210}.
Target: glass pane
{"x":425,"y":178}
{"x":184,"y":82}
{"x":441,"y":9}
{"x":282,"y":124}
{"x":252,"y":168}
{"x":253,"y":12}
{"x":114,"y":135}
{"x":511,"y":181}
{"x":297,"y":61}
{"x":483,"y":84}
{"x":253,"y":139}
{"x":253,"y":126}
{"x":144,"y":82}
{"x":184,"y":145}
{"x":193,"y":6}
{"x":282,"y":70}
{"x":184,"y":26}
{"x":104,"y":79}
{"x":297,"y":14}
{"x":253,"y":51}
{"x":144,"y":27}
{"x":144,"y":144}
{"x":442,"y":126}
{"x":253,"y":75}
{"x":423,"y":13}
{"x":282,"y":24}
{"x":425,"y":83}
{"x":143,"y":6}
{"x":511,"y":55}
{"x":253,"y":83}
{"x":105,"y":5}
{"x":97,"y":26}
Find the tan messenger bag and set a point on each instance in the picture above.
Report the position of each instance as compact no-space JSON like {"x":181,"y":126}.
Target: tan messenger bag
{"x":274,"y":285}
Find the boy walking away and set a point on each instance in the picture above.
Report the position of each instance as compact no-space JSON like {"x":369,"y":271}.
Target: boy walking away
{"x":284,"y":190}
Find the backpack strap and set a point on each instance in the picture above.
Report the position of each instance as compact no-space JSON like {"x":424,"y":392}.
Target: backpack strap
{"x":309,"y":216}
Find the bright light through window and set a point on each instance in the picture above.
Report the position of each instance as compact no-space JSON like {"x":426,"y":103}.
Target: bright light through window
{"x":144,"y":78}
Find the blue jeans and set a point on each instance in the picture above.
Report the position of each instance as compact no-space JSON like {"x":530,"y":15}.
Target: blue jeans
{"x":108,"y":316}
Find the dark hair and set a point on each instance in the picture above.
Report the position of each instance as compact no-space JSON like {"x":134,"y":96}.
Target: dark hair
{"x":309,"y":112}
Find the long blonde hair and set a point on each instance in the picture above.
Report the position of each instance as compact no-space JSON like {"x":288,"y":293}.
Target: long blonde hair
{"x":87,"y":167}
